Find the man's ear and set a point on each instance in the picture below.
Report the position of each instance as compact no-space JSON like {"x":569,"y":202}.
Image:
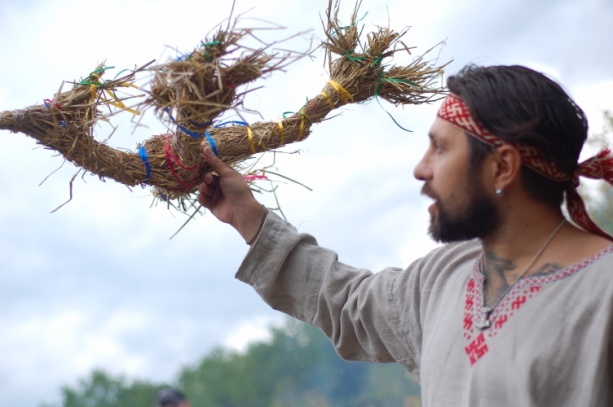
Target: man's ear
{"x":507,"y":166}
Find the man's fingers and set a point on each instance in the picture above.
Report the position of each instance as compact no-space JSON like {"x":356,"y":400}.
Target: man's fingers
{"x":208,"y":194}
{"x":205,"y":189}
{"x":211,"y":180}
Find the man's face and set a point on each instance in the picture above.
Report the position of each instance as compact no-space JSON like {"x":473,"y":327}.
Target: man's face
{"x":462,"y":209}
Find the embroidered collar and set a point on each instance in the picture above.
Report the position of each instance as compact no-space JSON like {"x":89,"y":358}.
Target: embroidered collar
{"x":524,"y":290}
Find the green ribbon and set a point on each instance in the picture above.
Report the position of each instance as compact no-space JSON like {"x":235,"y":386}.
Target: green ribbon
{"x":97,"y":72}
{"x":207,"y":45}
{"x":354,"y":59}
{"x":352,"y":24}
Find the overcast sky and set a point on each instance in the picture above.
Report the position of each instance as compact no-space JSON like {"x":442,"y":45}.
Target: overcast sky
{"x":100,"y":284}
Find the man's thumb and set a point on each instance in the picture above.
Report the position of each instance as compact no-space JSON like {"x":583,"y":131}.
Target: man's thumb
{"x":214,"y":162}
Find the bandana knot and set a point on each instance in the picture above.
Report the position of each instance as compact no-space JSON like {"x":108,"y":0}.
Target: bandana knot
{"x":598,"y":167}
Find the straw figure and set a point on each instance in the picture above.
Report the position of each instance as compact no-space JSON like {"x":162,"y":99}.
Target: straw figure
{"x":192,"y":92}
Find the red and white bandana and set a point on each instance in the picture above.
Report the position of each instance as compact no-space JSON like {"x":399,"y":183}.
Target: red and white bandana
{"x":455,"y":111}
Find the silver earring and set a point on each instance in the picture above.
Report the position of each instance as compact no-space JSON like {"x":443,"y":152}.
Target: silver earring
{"x":499,"y":192}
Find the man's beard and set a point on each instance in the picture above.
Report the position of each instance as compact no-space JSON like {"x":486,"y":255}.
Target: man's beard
{"x":478,"y":219}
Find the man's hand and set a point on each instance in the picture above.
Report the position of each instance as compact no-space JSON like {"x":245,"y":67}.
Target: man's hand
{"x":229,"y":198}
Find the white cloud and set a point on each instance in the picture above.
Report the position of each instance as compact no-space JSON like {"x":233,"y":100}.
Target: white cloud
{"x":256,"y":329}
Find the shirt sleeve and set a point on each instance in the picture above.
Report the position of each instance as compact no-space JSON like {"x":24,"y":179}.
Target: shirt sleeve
{"x":355,"y":308}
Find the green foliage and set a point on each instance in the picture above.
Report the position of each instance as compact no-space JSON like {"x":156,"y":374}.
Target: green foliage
{"x":102,"y":390}
{"x":297,"y":367}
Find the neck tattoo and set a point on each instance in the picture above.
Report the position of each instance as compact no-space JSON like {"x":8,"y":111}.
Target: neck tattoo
{"x":486,"y":312}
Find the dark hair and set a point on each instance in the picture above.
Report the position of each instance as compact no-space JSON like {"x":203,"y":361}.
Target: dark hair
{"x":170,"y":397}
{"x":520,"y":105}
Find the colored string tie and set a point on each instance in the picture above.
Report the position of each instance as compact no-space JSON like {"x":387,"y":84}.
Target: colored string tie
{"x":49,"y":102}
{"x":184,"y":129}
{"x":142,"y":152}
{"x":205,"y":53}
{"x":223,"y":124}
{"x":303,"y":120}
{"x":302,"y":127}
{"x":343,"y":94}
{"x":254,"y":177}
{"x":181,"y":57}
{"x":250,"y":140}
{"x":168,"y":151}
{"x":353,"y":24}
{"x":349,"y":56}
{"x":327,"y":98}
{"x":94,"y":82}
{"x":211,"y":142}
{"x":172,"y":159}
{"x":377,"y":93}
{"x":381,"y":79}
{"x":229,"y":122}
{"x":162,"y":194}
{"x":281,"y":133}
{"x":377,"y":60}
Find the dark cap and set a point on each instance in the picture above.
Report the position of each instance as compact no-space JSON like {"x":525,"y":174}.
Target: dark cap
{"x":170,"y":397}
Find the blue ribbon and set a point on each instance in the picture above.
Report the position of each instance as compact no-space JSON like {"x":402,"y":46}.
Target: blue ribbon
{"x":240,"y":123}
{"x":142,"y":152}
{"x":185,"y":130}
{"x":207,"y":124}
{"x":162,"y":195}
{"x":212,"y":141}
{"x":190,"y":133}
{"x":209,"y":138}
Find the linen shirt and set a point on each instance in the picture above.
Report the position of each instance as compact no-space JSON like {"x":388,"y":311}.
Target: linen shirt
{"x":550,"y":343}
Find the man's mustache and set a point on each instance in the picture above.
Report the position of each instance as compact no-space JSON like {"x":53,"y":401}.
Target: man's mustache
{"x":427,"y":191}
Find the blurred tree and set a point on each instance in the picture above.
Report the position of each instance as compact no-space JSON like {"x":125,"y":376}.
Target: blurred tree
{"x":102,"y":390}
{"x":297,"y":367}
{"x":390,"y":386}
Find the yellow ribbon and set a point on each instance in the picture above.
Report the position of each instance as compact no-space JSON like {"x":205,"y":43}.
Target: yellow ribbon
{"x":325,"y":95}
{"x":118,"y":103}
{"x":281,"y":133}
{"x":302,"y":125}
{"x":250,"y":139}
{"x":342,"y":92}
{"x":95,"y":83}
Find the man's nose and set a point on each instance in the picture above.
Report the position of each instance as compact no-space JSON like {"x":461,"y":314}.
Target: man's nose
{"x":422,"y":171}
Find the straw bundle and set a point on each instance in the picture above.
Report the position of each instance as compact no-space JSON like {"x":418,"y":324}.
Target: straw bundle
{"x":66,"y":123}
{"x":194,"y":90}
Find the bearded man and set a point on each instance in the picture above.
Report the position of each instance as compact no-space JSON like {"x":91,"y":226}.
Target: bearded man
{"x":516,"y":308}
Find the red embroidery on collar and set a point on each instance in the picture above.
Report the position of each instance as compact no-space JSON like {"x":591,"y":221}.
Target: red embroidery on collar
{"x":519,"y":295}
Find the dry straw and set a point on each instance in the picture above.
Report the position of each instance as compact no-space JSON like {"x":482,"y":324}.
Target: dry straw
{"x":194,"y":90}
